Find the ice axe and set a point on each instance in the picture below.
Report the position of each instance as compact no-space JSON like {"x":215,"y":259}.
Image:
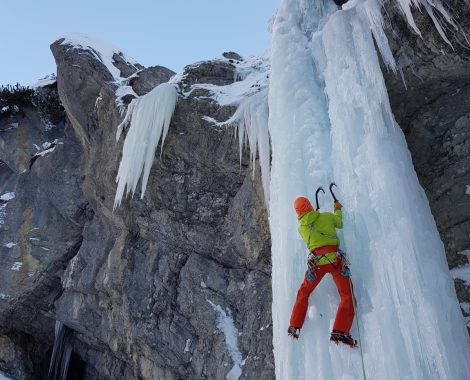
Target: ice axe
{"x":316,"y":196}
{"x":331,"y":191}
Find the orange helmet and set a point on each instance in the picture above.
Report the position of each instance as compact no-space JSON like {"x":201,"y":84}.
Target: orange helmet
{"x":302,"y":205}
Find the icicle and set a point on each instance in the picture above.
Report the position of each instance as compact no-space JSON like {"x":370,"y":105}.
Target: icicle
{"x":374,"y":14}
{"x":61,"y":352}
{"x":150,"y":118}
{"x":251,"y":119}
{"x":429,"y":5}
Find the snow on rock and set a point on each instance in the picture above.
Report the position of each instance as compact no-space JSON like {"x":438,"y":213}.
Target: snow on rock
{"x":467,"y":191}
{"x":72,"y":268}
{"x":11,"y":126}
{"x":101,"y":50}
{"x":187,"y":346}
{"x":7,"y":196}
{"x":3,"y":213}
{"x":105,"y":52}
{"x":249,"y":94}
{"x":48,"y":147}
{"x":16,"y":266}
{"x":4,"y":377}
{"x":10,"y":245}
{"x":463,"y":272}
{"x":149,"y":117}
{"x":4,"y":198}
{"x":330,"y":120}
{"x":226,"y":325}
{"x":43,"y":82}
{"x":465,"y":307}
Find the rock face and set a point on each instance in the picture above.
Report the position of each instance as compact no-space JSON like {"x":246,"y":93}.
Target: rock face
{"x":434,"y":113}
{"x":147,"y":289}
{"x":41,"y":229}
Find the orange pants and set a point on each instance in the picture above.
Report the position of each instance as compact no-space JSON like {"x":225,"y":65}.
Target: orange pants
{"x":345,"y":313}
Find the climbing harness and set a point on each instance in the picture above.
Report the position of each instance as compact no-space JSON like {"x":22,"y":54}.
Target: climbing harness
{"x":312,"y":258}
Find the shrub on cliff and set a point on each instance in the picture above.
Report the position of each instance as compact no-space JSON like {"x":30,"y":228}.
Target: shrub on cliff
{"x":45,"y":99}
{"x":14,"y":97}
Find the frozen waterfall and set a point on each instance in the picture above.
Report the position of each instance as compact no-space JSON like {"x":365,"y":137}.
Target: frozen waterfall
{"x":330,"y":120}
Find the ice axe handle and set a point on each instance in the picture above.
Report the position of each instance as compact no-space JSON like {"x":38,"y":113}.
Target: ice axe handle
{"x":331,"y":191}
{"x":316,"y":196}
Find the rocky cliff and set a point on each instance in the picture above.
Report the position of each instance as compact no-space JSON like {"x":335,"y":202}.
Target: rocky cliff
{"x":177,"y":285}
{"x":147,"y":289}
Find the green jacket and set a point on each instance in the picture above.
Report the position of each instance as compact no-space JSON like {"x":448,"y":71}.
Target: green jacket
{"x":324,"y":225}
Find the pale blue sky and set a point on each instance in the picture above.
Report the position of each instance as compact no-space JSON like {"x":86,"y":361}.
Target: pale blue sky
{"x":171,"y":33}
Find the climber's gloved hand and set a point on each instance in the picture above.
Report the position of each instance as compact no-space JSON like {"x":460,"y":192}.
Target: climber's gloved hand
{"x":337,"y":205}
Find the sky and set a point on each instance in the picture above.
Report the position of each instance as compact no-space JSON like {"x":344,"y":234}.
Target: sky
{"x":170,"y":33}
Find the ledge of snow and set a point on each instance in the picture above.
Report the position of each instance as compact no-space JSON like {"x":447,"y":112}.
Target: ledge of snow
{"x":101,"y":50}
{"x":7,"y":196}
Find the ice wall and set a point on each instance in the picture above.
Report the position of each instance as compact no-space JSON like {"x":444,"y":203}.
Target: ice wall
{"x":330,"y":119}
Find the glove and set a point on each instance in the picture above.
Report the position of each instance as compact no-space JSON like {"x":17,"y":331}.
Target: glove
{"x":337,"y":205}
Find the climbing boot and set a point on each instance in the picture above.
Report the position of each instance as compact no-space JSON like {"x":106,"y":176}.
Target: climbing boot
{"x":293,"y":332}
{"x":340,"y":337}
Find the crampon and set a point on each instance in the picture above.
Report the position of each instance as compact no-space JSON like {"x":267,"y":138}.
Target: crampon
{"x":340,"y":337}
{"x":293,"y":332}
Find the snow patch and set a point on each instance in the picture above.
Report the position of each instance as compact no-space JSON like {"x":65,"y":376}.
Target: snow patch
{"x":48,"y":147}
{"x":10,"y":245}
{"x":4,"y":296}
{"x":187,"y":346}
{"x":101,"y":50}
{"x":7,"y":196}
{"x":3,"y":213}
{"x":47,"y":125}
{"x":69,"y":272}
{"x":4,"y":198}
{"x":467,"y":191}
{"x":462,"y":272}
{"x":226,"y":325}
{"x":16,"y":266}
{"x":149,"y":117}
{"x":210,"y":119}
{"x":465,"y":307}
{"x":4,"y":377}
{"x":46,"y":81}
{"x":104,"y":53}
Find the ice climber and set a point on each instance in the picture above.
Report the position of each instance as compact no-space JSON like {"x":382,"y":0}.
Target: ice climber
{"x":318,"y":230}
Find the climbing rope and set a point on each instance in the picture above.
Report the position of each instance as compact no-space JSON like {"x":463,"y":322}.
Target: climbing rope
{"x":358,"y":330}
